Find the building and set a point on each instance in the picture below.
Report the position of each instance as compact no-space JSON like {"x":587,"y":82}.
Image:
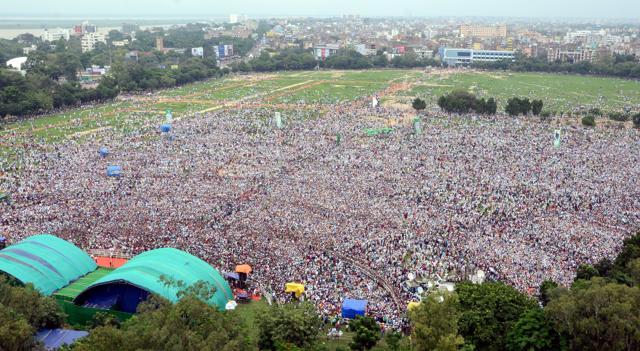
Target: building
{"x":464,"y":57}
{"x":559,"y":55}
{"x":366,"y":50}
{"x":55,"y":35}
{"x":90,"y":40}
{"x":235,"y":18}
{"x":92,"y":74}
{"x":483,"y":32}
{"x":17,"y":63}
{"x":322,"y":51}
{"x":128,"y":28}
{"x":159,"y":43}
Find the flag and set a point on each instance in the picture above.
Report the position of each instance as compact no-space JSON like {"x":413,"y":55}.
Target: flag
{"x":556,"y":138}
{"x":278,"y":120}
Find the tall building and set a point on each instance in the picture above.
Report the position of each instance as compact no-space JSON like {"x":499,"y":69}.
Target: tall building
{"x":159,"y":43}
{"x":89,"y":41}
{"x":483,"y":32}
{"x":55,"y":35}
{"x":464,"y":57}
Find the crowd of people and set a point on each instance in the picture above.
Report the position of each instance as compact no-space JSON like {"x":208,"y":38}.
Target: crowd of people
{"x":467,"y":193}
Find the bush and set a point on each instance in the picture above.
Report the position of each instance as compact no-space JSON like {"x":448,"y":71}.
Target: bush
{"x":461,"y":101}
{"x":418,"y":104}
{"x":517,"y":106}
{"x":619,"y":116}
{"x":636,"y":120}
{"x":589,"y":121}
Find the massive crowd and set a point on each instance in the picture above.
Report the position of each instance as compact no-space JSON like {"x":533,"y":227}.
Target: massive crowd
{"x":467,"y":193}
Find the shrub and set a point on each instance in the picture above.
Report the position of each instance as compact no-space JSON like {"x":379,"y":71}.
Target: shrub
{"x":636,"y":120}
{"x":589,"y":121}
{"x":619,"y":116}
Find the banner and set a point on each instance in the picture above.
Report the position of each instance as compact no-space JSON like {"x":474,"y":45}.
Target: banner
{"x":417,"y":126}
{"x":278,"y":120}
{"x":556,"y":138}
{"x":374,"y":102}
{"x":169,"y":115}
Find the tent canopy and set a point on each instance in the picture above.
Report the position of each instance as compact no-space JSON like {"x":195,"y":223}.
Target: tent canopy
{"x":114,"y":171}
{"x":53,"y":339}
{"x":295,"y":288}
{"x":243,"y":268}
{"x":46,"y":261}
{"x":352,"y":308}
{"x":143,"y":273}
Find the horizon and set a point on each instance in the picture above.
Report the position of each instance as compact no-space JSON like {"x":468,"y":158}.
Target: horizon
{"x":516,"y":9}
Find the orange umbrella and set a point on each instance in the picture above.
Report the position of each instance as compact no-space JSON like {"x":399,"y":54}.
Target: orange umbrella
{"x":243,"y":268}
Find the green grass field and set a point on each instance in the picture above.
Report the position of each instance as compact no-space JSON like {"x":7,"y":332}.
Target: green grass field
{"x":560,"y":93}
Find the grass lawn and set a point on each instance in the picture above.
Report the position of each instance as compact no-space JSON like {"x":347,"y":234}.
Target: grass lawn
{"x":559,"y":92}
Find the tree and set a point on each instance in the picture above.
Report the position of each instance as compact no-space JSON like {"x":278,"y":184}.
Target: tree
{"x":288,"y":325}
{"x":418,"y":104}
{"x":189,"y":324}
{"x":435,"y":323}
{"x":636,"y":120}
{"x":517,"y":106}
{"x":492,"y":106}
{"x":586,"y":272}
{"x":545,"y":289}
{"x":533,"y":332}
{"x":536,"y":107}
{"x":588,"y":121}
{"x":367,"y":333}
{"x":15,"y":332}
{"x":597,"y":315}
{"x":392,"y":339}
{"x":39,"y":311}
{"x":488,"y":311}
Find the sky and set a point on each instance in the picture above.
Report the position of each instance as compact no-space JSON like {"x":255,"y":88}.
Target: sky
{"x":429,"y":8}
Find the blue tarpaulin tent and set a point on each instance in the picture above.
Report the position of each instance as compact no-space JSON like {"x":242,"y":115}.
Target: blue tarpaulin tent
{"x":104,"y":152}
{"x":54,"y":338}
{"x":165,"y":128}
{"x":232,"y":275}
{"x":352,"y":308}
{"x":114,"y":171}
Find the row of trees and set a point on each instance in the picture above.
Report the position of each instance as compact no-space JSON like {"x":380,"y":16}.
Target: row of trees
{"x":299,"y":59}
{"x":461,"y":101}
{"x":522,"y":106}
{"x":619,"y":66}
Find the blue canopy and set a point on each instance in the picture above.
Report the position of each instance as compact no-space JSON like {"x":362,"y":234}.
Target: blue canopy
{"x":104,"y":152}
{"x":352,"y":308}
{"x":54,"y":338}
{"x":114,"y":171}
{"x":165,"y":128}
{"x":232,"y":275}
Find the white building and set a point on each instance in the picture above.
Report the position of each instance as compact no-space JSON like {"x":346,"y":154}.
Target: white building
{"x":89,"y":41}
{"x":322,"y":51}
{"x":17,"y":64}
{"x":235,"y":18}
{"x":463,"y":57}
{"x":55,"y":35}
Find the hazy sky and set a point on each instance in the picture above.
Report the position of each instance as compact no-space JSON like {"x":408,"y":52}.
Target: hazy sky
{"x":148,"y":8}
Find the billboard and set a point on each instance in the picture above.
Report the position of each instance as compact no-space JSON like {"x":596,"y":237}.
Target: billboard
{"x":197,"y":51}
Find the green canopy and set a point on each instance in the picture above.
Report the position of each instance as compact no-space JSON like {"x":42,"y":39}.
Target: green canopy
{"x":46,"y":261}
{"x":144,"y":271}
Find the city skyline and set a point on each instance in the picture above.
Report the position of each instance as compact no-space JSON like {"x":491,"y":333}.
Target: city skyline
{"x":429,"y":8}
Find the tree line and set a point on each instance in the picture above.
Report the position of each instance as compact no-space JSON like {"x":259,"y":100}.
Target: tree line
{"x":623,"y":66}
{"x":300,"y":59}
